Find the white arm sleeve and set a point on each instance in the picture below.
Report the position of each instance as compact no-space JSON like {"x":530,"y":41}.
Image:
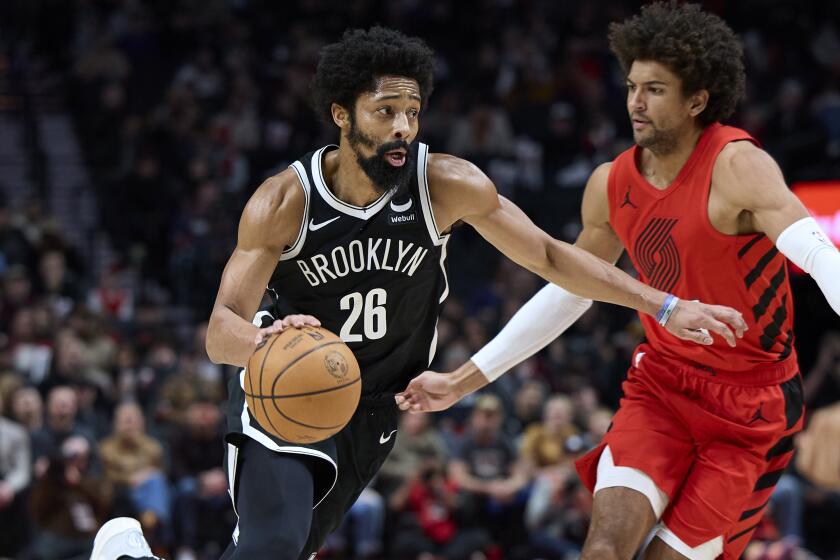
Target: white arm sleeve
{"x":542,"y":319}
{"x":808,"y":246}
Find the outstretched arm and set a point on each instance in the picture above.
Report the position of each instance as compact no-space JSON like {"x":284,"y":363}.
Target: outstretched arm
{"x":542,"y":319}
{"x":463,"y":192}
{"x":583,"y":274}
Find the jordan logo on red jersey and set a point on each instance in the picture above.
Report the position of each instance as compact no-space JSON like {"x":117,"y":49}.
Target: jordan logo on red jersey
{"x":656,"y":254}
{"x":758,"y":416}
{"x":627,"y":201}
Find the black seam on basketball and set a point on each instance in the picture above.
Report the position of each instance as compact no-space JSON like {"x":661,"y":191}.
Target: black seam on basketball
{"x":336,"y":388}
{"x":250,"y":380}
{"x":277,"y":378}
{"x":299,"y":358}
{"x":280,"y":412}
{"x":262,"y":367}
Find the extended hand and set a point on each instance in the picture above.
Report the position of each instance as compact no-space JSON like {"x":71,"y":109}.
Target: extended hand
{"x":296,"y":321}
{"x":694,"y":321}
{"x":428,"y":392}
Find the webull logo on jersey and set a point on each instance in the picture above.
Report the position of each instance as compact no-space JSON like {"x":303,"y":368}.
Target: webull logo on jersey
{"x":399,"y":213}
{"x":400,"y":219}
{"x":377,"y":254}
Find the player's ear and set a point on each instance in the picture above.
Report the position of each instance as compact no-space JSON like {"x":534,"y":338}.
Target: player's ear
{"x":340,"y":115}
{"x":697,"y":102}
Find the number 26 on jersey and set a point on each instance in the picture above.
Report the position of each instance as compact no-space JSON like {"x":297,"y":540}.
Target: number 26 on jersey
{"x":371,"y":308}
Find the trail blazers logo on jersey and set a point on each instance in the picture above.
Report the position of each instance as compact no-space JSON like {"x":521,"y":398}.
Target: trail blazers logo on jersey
{"x":657,"y":255}
{"x":399,"y":213}
{"x":377,"y":254}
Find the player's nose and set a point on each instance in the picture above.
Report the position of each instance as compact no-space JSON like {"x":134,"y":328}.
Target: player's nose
{"x":635,"y":102}
{"x":400,"y":126}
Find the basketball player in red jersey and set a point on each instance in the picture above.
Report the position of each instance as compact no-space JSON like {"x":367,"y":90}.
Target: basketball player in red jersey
{"x":703,"y":433}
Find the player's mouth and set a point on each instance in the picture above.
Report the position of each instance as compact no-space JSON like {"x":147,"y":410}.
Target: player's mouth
{"x":396,"y":157}
{"x":639,"y":124}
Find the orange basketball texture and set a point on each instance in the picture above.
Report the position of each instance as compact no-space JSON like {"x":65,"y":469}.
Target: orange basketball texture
{"x":303,"y":385}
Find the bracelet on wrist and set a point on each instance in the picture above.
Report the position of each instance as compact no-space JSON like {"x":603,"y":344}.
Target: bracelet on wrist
{"x":667,"y":309}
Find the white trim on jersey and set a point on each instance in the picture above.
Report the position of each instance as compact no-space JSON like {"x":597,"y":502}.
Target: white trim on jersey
{"x":445,"y":293}
{"x":443,"y":296}
{"x":426,"y":198}
{"x":361,"y":212}
{"x":232,"y":456}
{"x":293,"y":251}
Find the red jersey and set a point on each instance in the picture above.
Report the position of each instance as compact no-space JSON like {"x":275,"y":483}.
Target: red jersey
{"x":675,"y":248}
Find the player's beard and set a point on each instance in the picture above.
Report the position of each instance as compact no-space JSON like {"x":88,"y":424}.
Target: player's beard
{"x":658,"y":141}
{"x":382,"y":174}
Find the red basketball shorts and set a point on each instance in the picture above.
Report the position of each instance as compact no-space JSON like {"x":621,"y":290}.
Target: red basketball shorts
{"x":715,"y":444}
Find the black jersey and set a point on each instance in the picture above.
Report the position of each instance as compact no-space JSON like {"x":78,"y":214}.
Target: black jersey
{"x":374,"y":275}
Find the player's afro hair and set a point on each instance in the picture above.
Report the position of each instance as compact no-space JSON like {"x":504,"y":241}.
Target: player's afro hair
{"x":697,"y":46}
{"x":351,"y":67}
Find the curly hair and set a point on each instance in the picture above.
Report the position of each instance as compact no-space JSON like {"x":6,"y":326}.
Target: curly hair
{"x":351,"y":67}
{"x":697,"y":46}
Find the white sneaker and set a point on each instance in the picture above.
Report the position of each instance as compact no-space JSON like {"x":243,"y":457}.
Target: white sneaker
{"x":121,"y":536}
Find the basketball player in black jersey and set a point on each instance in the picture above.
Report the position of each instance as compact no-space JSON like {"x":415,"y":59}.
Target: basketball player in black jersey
{"x":353,"y":237}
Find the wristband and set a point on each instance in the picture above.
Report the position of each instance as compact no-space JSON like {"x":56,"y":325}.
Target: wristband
{"x":667,"y":309}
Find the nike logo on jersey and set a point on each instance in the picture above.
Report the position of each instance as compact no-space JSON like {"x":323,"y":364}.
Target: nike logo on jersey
{"x":401,"y":207}
{"x":315,"y":227}
{"x":384,"y":440}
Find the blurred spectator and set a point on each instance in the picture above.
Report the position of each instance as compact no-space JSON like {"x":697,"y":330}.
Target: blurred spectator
{"x":486,"y":469}
{"x":57,"y":284}
{"x":360,"y":534}
{"x":31,"y":355}
{"x":202,"y":76}
{"x":557,"y":514}
{"x":597,"y":425}
{"x":183,"y":389}
{"x":543,"y":444}
{"x":134,"y":461}
{"x":418,"y":446}
{"x":822,"y":384}
{"x":818,"y":457}
{"x":432,"y":526}
{"x":28,"y":408}
{"x":484,"y":132}
{"x":207,"y":370}
{"x":97,"y":348}
{"x":113,"y":297}
{"x":15,"y":249}
{"x":17,"y":294}
{"x":60,"y":424}
{"x":527,"y":407}
{"x":68,"y":505}
{"x":93,"y":413}
{"x":15,"y":474}
{"x":200,"y":483}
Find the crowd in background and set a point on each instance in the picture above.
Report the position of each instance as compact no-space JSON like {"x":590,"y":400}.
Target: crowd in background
{"x":109,"y":403}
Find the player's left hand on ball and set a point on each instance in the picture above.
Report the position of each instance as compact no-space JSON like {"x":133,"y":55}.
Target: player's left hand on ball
{"x":696,"y":321}
{"x":289,"y":321}
{"x":428,"y":392}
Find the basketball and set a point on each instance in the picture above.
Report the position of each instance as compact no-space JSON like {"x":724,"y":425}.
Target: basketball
{"x":302,"y":385}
